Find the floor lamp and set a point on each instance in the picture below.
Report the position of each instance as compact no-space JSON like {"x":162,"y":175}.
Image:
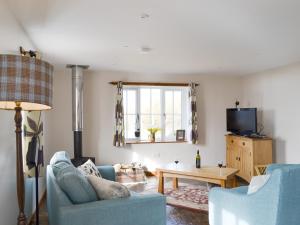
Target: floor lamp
{"x":25,"y":84}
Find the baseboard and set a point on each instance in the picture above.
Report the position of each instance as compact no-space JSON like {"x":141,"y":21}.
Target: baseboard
{"x":32,"y":217}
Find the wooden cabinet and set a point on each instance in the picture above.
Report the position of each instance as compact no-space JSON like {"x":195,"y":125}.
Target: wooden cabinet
{"x":244,"y":153}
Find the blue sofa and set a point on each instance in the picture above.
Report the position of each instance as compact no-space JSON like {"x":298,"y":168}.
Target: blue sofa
{"x":276,"y":203}
{"x":135,"y":210}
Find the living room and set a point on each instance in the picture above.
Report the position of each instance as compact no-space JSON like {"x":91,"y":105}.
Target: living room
{"x":240,"y":55}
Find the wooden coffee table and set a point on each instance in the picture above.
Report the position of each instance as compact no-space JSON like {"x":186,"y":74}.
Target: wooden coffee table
{"x":213,"y":175}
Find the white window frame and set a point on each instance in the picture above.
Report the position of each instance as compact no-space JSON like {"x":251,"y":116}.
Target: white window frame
{"x":137,"y":104}
{"x":184,"y":109}
{"x":184,"y":99}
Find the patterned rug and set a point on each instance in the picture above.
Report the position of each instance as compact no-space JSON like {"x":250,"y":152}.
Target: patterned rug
{"x":189,"y":196}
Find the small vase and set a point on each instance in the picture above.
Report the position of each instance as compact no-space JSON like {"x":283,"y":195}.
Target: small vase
{"x":152,"y":137}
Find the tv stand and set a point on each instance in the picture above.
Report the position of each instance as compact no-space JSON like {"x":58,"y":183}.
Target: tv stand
{"x":244,"y":153}
{"x":258,"y":136}
{"x":254,"y":135}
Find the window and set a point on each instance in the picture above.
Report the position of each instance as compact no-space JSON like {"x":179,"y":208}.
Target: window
{"x":130,"y":112}
{"x":154,"y":107}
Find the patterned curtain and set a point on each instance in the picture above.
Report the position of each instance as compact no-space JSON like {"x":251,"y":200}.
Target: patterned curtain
{"x":193,"y":113}
{"x":119,"y":134}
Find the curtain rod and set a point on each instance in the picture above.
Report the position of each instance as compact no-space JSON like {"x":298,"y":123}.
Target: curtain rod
{"x":152,"y":84}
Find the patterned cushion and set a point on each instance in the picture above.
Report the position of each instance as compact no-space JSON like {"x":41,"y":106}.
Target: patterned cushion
{"x":107,"y":189}
{"x":89,"y":168}
{"x":75,"y":185}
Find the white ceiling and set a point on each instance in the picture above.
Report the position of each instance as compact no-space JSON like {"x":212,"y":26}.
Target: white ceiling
{"x":11,"y":33}
{"x":230,"y":37}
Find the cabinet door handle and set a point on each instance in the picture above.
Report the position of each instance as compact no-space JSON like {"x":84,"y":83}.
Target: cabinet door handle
{"x":231,"y":141}
{"x":244,"y":143}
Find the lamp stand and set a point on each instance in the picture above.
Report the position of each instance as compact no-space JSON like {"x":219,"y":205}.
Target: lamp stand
{"x":37,"y":221}
{"x":20,"y":174}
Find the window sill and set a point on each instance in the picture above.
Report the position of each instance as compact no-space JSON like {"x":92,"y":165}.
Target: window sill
{"x":133,"y":142}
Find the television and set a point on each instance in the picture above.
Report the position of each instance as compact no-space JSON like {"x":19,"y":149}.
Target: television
{"x":242,"y":121}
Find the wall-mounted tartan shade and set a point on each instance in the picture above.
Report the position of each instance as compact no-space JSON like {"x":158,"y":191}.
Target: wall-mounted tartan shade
{"x":25,"y":80}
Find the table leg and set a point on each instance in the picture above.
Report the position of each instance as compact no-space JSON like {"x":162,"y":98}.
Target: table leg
{"x":175,"y":183}
{"x":223,"y":183}
{"x":234,"y":182}
{"x":161,"y":183}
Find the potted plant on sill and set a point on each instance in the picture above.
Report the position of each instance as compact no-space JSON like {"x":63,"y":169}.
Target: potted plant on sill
{"x":152,"y":132}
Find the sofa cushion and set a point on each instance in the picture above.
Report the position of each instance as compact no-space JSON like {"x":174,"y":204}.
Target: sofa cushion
{"x":257,"y":182}
{"x":107,"y":189}
{"x":89,"y":168}
{"x":60,"y":166}
{"x":75,"y":185}
{"x":61,"y":156}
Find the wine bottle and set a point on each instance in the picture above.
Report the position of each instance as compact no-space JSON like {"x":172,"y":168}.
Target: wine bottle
{"x":198,"y":160}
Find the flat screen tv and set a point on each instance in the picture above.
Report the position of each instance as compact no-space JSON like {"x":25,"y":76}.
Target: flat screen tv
{"x":242,"y":121}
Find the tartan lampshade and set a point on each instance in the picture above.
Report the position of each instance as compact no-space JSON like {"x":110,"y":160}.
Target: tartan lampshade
{"x":27,"y":81}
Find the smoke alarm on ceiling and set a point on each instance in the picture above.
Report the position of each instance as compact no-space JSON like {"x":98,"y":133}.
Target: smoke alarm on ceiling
{"x":145,"y":50}
{"x":145,"y":16}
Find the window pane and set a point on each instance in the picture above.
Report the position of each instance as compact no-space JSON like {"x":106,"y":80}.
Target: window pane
{"x":131,"y":102}
{"x":156,"y":105}
{"x":125,"y":125}
{"x":169,"y":102}
{"x":177,"y":102}
{"x":177,"y":123}
{"x":156,"y":122}
{"x":169,"y":126}
{"x":151,"y":109}
{"x":145,"y":100}
{"x":125,"y":101}
{"x":145,"y":124}
{"x":130,"y":129}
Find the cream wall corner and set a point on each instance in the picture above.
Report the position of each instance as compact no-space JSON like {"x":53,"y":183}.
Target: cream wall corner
{"x":276,"y":93}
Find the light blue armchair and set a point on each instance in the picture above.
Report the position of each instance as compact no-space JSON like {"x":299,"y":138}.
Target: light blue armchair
{"x":135,"y":210}
{"x":276,"y":203}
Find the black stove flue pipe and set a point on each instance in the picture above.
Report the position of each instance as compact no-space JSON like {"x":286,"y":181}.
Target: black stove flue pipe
{"x":77,"y":144}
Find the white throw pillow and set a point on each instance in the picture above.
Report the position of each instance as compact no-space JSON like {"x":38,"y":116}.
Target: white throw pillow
{"x":89,"y":168}
{"x":107,"y":189}
{"x":257,"y":182}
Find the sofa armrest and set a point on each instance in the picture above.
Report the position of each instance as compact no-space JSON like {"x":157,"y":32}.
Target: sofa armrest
{"x":273,"y":167}
{"x":107,"y":172}
{"x":137,"y":209}
{"x":235,"y":206}
{"x":241,"y":189}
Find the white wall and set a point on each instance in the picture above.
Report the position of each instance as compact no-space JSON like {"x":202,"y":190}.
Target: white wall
{"x":12,"y":36}
{"x":8,"y":193}
{"x":276,"y":93}
{"x":11,"y":33}
{"x":58,"y":121}
{"x":214,"y":96}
